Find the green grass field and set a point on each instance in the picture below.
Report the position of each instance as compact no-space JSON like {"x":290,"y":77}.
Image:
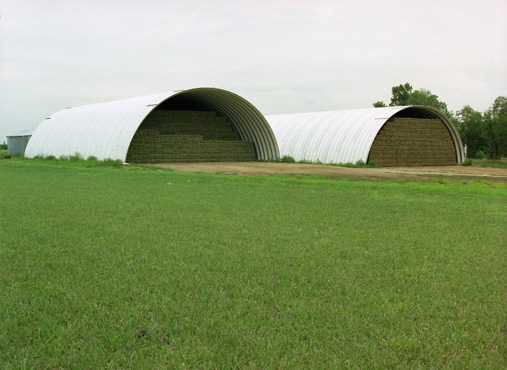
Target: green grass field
{"x":108,"y":268}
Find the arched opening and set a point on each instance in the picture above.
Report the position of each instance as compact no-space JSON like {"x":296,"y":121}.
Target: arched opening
{"x":414,"y":137}
{"x":181,"y":130}
{"x":200,"y":125}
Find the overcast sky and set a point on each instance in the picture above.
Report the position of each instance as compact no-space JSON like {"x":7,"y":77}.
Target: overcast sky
{"x":282,"y":56}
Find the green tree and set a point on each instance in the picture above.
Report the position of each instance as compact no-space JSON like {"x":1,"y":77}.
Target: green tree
{"x":404,"y":94}
{"x":470,"y":125}
{"x":425,"y":97}
{"x":401,"y":94}
{"x":495,"y":128}
{"x":379,"y":104}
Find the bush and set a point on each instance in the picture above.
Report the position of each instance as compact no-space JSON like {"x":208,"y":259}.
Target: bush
{"x":304,"y":161}
{"x":372,"y":164}
{"x":63,"y":158}
{"x":360,"y":163}
{"x":347,"y":164}
{"x":91,"y":158}
{"x":76,"y":157}
{"x":3,"y":146}
{"x":117,"y":163}
{"x":468,"y":162}
{"x":51,"y":157}
{"x":38,"y":156}
{"x":287,"y":159}
{"x":480,"y":155}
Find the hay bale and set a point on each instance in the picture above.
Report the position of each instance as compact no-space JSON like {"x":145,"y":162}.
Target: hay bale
{"x":413,"y":142}
{"x":184,"y":136}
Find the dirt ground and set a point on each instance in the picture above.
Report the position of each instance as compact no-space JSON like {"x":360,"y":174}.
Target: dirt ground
{"x":456,"y":173}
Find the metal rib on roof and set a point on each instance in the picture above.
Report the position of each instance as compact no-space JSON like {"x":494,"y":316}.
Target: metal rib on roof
{"x":105,"y":130}
{"x":250,"y":124}
{"x":344,"y":136}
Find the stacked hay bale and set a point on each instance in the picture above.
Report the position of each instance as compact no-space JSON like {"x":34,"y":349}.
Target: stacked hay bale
{"x":413,"y":142}
{"x":188,"y":136}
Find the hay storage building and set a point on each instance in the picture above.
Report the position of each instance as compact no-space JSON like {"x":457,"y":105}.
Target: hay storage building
{"x":16,"y":143}
{"x":391,"y":136}
{"x":195,"y":125}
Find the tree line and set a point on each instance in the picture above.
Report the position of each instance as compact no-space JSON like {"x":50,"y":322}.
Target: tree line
{"x":483,"y":134}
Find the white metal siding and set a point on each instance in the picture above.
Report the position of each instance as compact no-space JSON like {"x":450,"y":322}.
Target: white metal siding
{"x":105,"y":130}
{"x":343,"y":136}
{"x":16,"y":144}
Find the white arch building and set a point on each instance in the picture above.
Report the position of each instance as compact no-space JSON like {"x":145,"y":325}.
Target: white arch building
{"x":348,"y":135}
{"x":105,"y":130}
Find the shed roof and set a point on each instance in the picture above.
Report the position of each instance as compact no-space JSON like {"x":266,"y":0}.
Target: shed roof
{"x":22,"y":133}
{"x":105,"y":130}
{"x":344,"y":136}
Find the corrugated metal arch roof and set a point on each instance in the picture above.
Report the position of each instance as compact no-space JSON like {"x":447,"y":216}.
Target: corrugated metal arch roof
{"x":344,"y":136}
{"x":105,"y":130}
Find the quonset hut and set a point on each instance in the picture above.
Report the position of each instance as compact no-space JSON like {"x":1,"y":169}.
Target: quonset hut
{"x":195,"y":125}
{"x":391,"y":136}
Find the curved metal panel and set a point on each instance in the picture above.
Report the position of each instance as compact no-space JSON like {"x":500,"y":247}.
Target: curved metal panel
{"x":343,"y":136}
{"x":105,"y":130}
{"x":250,"y":124}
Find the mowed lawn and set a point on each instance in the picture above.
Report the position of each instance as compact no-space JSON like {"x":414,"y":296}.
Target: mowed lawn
{"x":108,"y":268}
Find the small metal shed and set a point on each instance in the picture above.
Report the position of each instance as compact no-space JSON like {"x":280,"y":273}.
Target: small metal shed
{"x":16,"y":144}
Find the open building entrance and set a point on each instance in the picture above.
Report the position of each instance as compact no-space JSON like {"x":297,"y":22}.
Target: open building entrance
{"x":183,"y":130}
{"x":410,"y":138}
